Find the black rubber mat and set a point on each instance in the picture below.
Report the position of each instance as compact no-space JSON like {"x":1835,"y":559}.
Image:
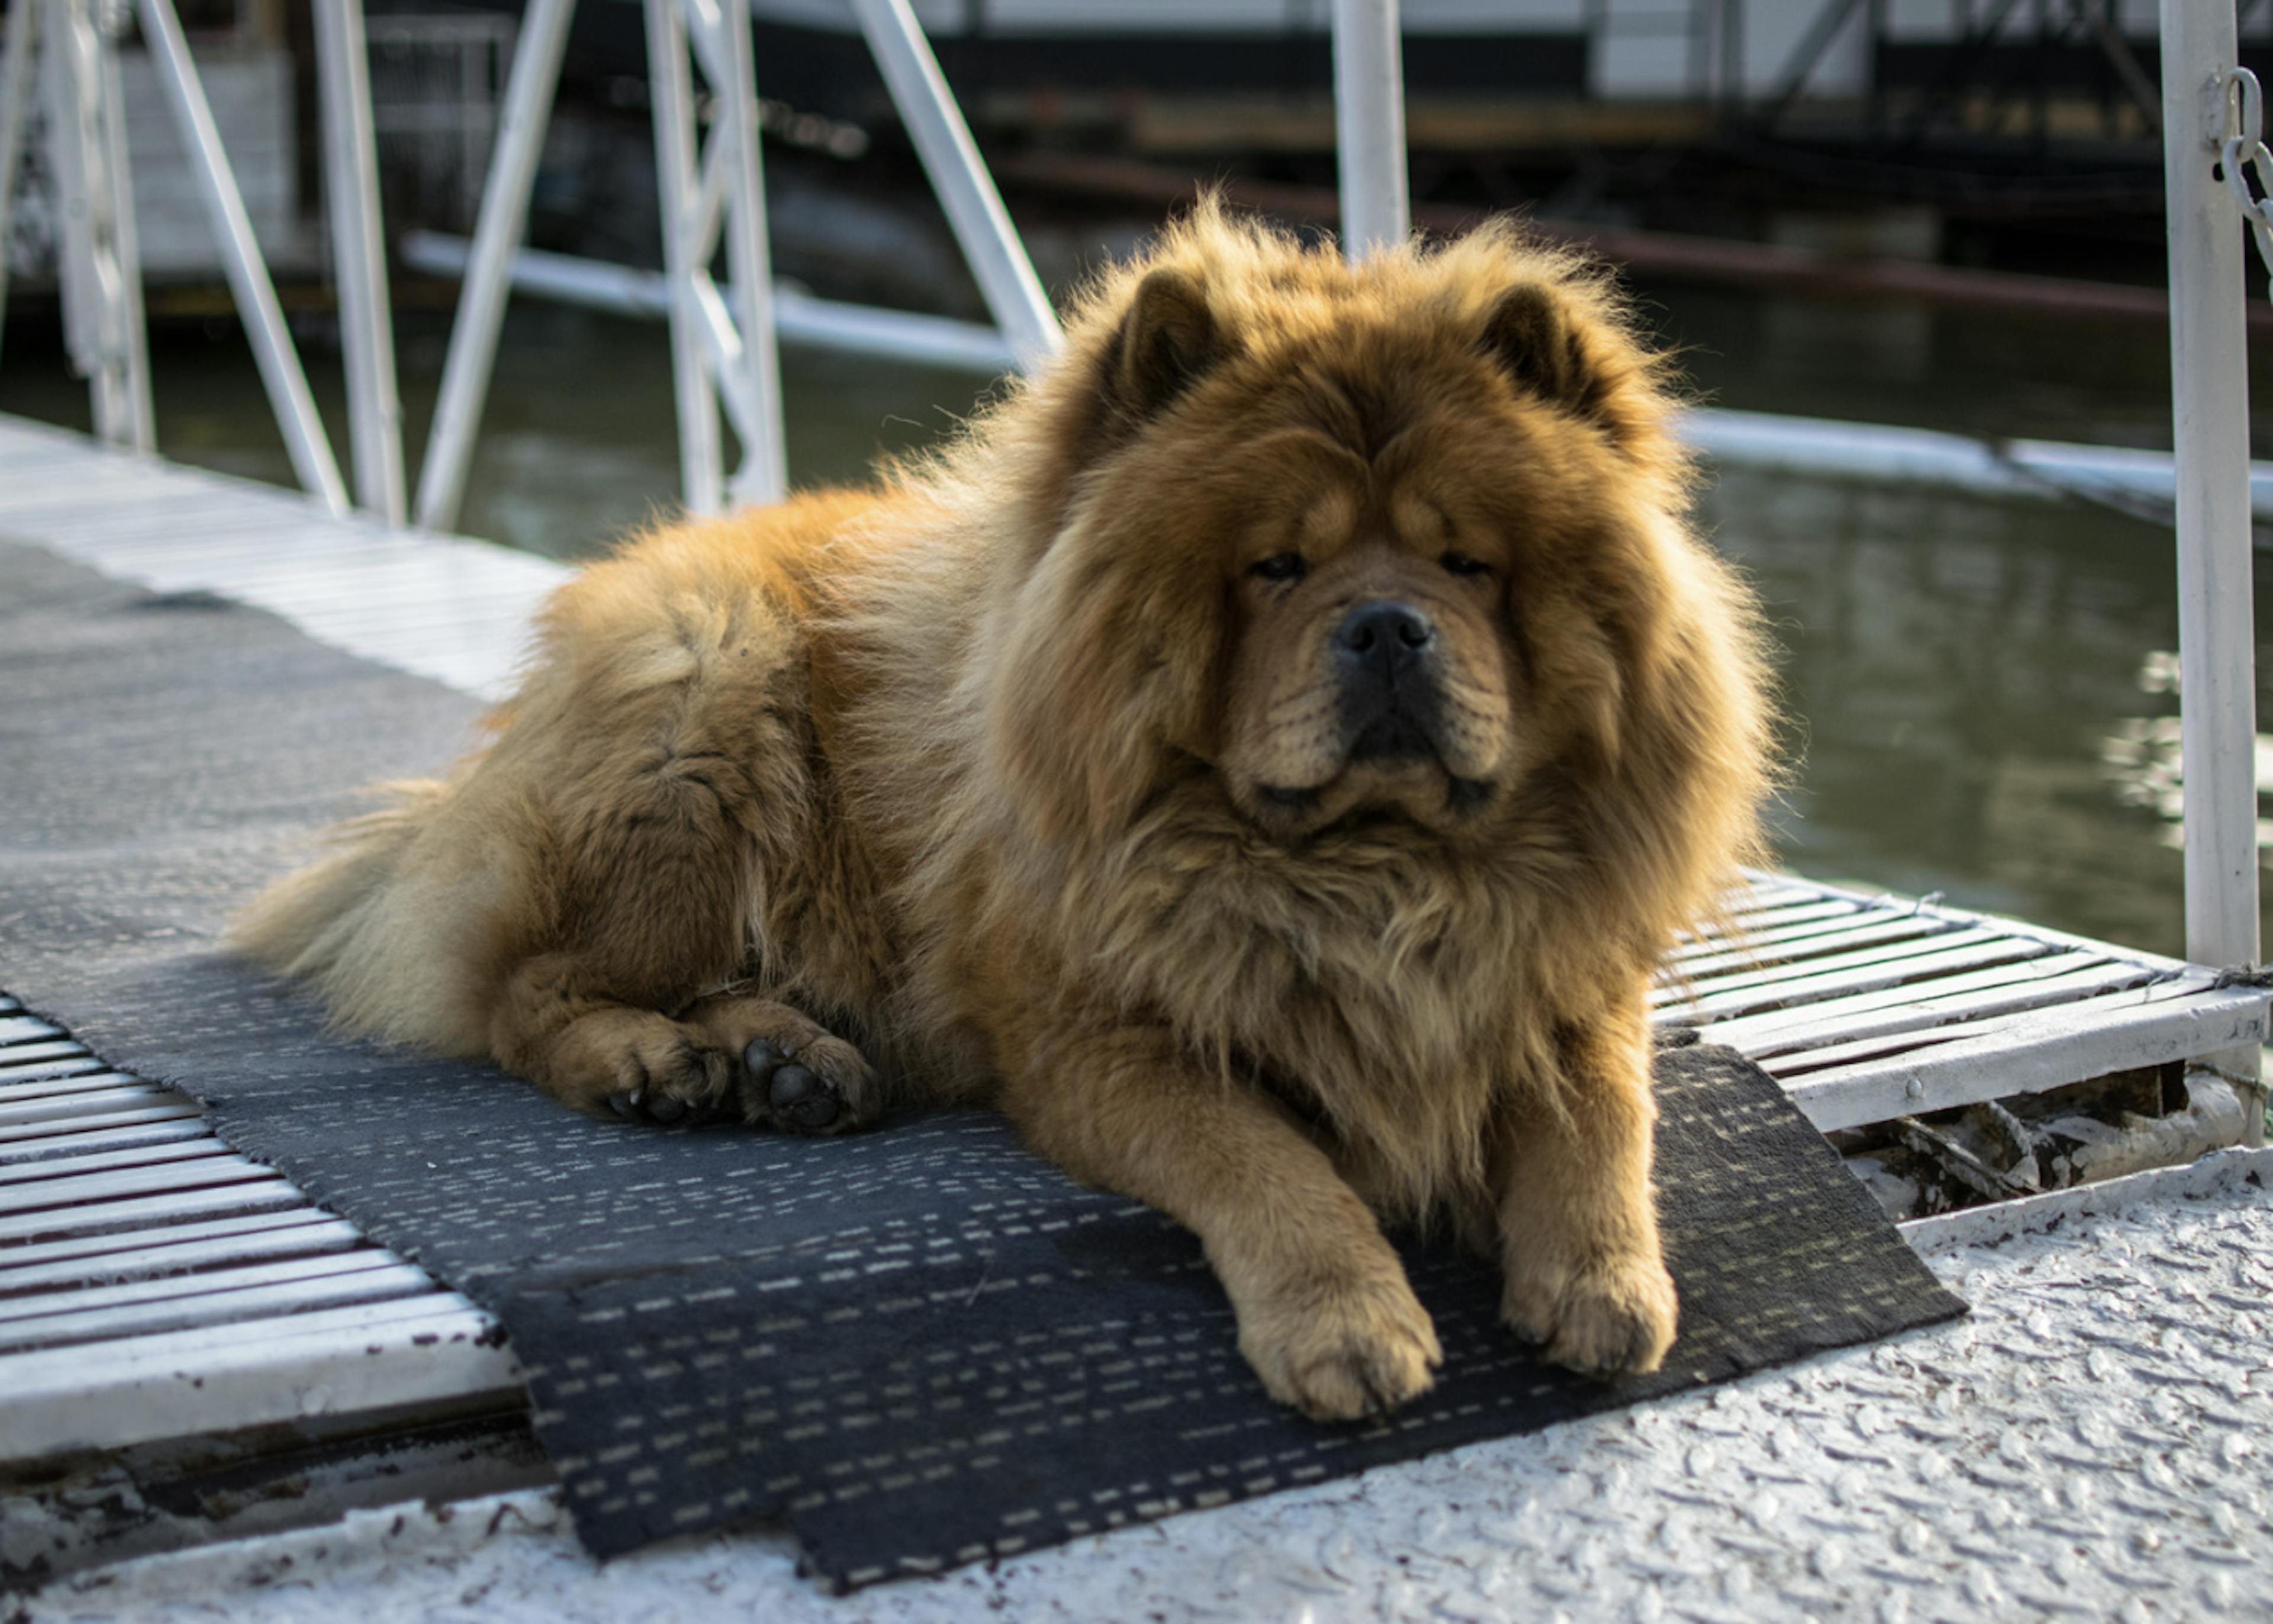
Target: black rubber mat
{"x":922,"y":1345}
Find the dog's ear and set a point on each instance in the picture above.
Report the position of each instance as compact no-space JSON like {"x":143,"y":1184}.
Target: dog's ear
{"x":1168,"y":338}
{"x":1530,"y":333}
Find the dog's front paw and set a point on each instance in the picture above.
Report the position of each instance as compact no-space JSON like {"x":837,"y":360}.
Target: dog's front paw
{"x":640,"y":1066}
{"x":1342,"y":1350}
{"x":1606,"y":1317}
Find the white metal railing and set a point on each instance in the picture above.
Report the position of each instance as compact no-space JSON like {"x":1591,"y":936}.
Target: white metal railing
{"x":359,"y":257}
{"x":722,"y":338}
{"x":711,"y":191}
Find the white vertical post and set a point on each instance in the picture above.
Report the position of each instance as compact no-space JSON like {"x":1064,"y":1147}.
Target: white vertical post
{"x":958,"y":175}
{"x":764,"y":473}
{"x":15,"y":110}
{"x":678,"y":190}
{"x":131,"y":333}
{"x":248,"y":275}
{"x":1370,"y":125}
{"x":496,"y":236}
{"x":360,"y":258}
{"x":100,"y":274}
{"x":2210,"y":419}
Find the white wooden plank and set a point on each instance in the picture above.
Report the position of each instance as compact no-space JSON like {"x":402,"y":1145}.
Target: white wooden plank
{"x":50,"y":1107}
{"x":315,"y":1237}
{"x":2112,"y":1006}
{"x":303,"y":1368}
{"x":30,"y":1062}
{"x":110,"y":1217}
{"x":2062,"y":979}
{"x":149,"y":1317}
{"x":1856,"y":945}
{"x":1904,"y":963}
{"x":1800,"y":941}
{"x":121,"y":1184}
{"x":26,"y":1028}
{"x":54,"y":1147}
{"x":108,"y":1158}
{"x":46,"y":1319}
{"x":2048,"y":1051}
{"x":55,"y":1130}
{"x":65,"y":1085}
{"x":1740,"y":925}
{"x":127,"y":1243}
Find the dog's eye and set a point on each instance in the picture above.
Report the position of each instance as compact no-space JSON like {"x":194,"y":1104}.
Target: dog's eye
{"x":1284,"y":566}
{"x":1461,"y":563}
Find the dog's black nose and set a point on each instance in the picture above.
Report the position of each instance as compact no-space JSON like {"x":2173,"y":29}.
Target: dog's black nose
{"x":1383,"y":636}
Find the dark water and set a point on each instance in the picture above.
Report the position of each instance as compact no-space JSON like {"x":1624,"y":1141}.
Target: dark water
{"x":1979,"y":690}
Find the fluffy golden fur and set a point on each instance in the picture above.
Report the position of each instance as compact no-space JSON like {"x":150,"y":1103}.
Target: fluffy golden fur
{"x":1266,"y":756}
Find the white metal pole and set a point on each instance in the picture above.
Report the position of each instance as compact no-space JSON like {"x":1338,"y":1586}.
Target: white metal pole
{"x":496,"y":234}
{"x":96,"y":266}
{"x":764,"y":474}
{"x":360,"y":258}
{"x":248,"y":276}
{"x":15,"y":111}
{"x":1370,"y":125}
{"x":678,"y":186}
{"x":129,"y":333}
{"x":958,"y":175}
{"x":2210,"y":426}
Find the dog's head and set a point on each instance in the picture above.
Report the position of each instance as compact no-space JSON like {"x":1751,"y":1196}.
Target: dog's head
{"x":1387,"y":540}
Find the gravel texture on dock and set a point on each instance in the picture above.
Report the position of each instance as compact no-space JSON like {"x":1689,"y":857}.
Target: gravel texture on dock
{"x":2088,"y":1444}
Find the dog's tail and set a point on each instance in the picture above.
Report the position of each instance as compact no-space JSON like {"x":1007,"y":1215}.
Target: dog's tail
{"x":322,"y":923}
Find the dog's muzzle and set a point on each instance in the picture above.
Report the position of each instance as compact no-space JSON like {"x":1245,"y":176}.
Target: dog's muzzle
{"x":1385,"y":658}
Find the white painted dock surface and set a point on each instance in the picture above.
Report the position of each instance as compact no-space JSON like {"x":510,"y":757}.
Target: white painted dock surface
{"x":155,"y":1285}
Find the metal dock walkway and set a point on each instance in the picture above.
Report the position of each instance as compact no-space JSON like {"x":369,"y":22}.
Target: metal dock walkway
{"x":155,"y":1285}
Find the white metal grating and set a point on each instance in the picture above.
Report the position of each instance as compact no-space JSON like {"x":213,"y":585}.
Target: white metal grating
{"x":153,"y":1283}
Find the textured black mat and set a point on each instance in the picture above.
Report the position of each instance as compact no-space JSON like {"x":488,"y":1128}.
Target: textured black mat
{"x":919,"y":1346}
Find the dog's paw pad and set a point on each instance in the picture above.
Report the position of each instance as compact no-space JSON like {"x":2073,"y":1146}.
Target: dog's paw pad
{"x":817,"y":1091}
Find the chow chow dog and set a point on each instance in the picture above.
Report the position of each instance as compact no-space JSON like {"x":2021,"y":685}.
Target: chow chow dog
{"x":1266,"y":756}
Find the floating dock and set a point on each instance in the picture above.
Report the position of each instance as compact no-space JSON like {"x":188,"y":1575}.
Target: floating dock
{"x":155,"y":1285}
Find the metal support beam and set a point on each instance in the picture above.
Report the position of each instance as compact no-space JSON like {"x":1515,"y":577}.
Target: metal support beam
{"x":1369,"y":126}
{"x":248,"y":274}
{"x":671,"y":83}
{"x":496,"y":234}
{"x":2211,"y":425}
{"x":360,"y":258}
{"x":722,"y":339}
{"x":764,"y":476}
{"x":100,"y":268}
{"x":15,"y":113}
{"x":958,"y":175}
